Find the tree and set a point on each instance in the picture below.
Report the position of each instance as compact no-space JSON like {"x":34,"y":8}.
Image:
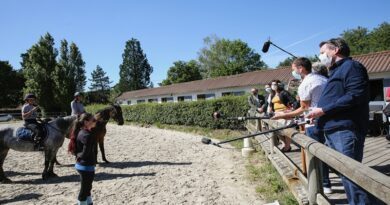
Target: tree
{"x":64,"y":78}
{"x":288,"y":61}
{"x":380,"y":37}
{"x":358,"y":40}
{"x":38,"y":64}
{"x":77,"y":64}
{"x":222,"y":57}
{"x":135,"y":69}
{"x":100,"y":84}
{"x":11,"y":84}
{"x":361,"y":40}
{"x":183,"y":72}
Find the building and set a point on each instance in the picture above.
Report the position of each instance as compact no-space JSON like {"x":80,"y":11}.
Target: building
{"x":377,"y":64}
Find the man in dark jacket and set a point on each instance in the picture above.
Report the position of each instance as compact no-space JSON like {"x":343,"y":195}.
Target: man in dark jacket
{"x":342,"y":110}
{"x":256,"y":101}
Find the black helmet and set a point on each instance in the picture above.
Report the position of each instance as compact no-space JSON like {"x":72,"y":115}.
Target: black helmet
{"x":29,"y":96}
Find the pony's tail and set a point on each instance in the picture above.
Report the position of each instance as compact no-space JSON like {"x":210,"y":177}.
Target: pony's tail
{"x":72,"y":143}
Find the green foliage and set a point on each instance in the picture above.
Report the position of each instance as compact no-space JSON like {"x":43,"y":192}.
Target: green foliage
{"x":183,"y":72}
{"x":269,"y":183}
{"x":288,"y":61}
{"x":222,"y":57}
{"x":100,"y":87}
{"x":11,"y":84}
{"x":197,"y":113}
{"x":135,"y":69}
{"x":38,"y":65}
{"x":78,"y":65}
{"x":361,"y":40}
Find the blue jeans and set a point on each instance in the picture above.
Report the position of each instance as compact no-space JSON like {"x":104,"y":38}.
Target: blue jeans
{"x":313,"y":133}
{"x":351,"y":144}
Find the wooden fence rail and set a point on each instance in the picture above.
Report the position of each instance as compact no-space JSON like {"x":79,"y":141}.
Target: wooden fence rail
{"x":371,"y":180}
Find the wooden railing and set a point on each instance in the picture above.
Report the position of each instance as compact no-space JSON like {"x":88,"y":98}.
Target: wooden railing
{"x":314,"y":153}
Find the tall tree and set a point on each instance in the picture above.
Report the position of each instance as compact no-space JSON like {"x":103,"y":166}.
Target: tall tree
{"x":183,"y":72}
{"x":11,"y":84}
{"x":38,"y":64}
{"x":100,"y":82}
{"x":135,"y":69}
{"x":77,"y":64}
{"x":221,"y":57}
{"x":64,"y":78}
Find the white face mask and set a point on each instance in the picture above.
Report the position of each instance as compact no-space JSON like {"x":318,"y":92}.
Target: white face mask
{"x":325,"y":59}
{"x":268,"y":90}
{"x":274,"y":87}
{"x":296,"y":75}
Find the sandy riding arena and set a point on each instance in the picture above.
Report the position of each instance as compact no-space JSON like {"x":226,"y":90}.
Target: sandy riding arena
{"x":148,"y":166}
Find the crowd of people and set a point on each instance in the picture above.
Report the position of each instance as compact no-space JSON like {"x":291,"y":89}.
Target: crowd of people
{"x":333,"y":94}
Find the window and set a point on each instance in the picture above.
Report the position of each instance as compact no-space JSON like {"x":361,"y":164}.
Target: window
{"x":167,"y":99}
{"x":205,"y":96}
{"x":376,"y":90}
{"x":129,"y":102}
{"x":184,"y":98}
{"x":140,"y":101}
{"x":235,"y":93}
{"x":152,"y":100}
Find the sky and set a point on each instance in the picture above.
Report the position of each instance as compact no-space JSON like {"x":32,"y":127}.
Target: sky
{"x":172,"y":30}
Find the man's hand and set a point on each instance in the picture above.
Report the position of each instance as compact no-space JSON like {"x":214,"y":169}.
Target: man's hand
{"x":260,"y":110}
{"x":315,"y":113}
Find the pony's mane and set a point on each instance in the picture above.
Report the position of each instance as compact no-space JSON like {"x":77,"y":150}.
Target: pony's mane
{"x":103,"y":113}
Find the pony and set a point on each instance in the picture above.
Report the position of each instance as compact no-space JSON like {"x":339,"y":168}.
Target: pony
{"x":56,"y":130}
{"x":99,"y":131}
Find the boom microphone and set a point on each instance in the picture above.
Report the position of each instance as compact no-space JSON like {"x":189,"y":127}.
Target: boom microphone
{"x":266,"y":46}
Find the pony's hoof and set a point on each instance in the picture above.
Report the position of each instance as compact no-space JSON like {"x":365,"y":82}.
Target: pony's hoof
{"x":49,"y":175}
{"x":5,"y":181}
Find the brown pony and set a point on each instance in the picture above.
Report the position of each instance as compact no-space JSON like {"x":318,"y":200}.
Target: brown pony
{"x":102,"y":117}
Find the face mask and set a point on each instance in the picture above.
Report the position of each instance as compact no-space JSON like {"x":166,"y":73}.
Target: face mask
{"x":268,"y":90}
{"x":296,"y":75}
{"x":274,"y":87}
{"x":325,"y":59}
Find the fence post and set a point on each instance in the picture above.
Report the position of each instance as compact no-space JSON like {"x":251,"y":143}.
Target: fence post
{"x":313,"y":177}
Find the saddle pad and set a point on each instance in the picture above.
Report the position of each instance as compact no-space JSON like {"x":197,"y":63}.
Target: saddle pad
{"x":24,"y":134}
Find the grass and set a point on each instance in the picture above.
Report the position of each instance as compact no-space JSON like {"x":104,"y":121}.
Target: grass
{"x":269,"y":184}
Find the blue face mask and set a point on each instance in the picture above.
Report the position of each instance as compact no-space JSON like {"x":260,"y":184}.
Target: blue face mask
{"x":296,"y":75}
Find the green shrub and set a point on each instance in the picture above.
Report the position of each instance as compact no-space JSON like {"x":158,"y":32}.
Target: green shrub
{"x":196,"y":113}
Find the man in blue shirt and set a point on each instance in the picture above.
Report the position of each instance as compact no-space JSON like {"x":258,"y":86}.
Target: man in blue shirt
{"x":342,"y":110}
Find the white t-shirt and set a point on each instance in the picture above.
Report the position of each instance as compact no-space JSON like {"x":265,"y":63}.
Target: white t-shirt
{"x":311,"y":89}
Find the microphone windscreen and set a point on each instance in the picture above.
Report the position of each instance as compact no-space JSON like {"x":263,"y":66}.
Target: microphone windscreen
{"x":206,"y":140}
{"x":266,"y":46}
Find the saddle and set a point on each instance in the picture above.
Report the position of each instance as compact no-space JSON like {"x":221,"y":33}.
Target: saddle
{"x":33,"y":132}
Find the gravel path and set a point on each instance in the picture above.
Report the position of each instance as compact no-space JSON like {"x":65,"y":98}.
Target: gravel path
{"x":149,"y":166}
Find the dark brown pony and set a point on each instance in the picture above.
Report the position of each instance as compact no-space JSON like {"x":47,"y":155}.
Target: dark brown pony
{"x":102,"y":117}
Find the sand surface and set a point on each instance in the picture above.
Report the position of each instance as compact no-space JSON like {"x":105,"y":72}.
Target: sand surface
{"x":148,"y":166}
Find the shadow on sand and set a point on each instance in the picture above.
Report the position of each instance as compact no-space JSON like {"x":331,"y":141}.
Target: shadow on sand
{"x":76,"y":178}
{"x":22,"y":197}
{"x":122,"y":165}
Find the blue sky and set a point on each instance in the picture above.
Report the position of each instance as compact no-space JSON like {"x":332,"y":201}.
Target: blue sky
{"x":172,"y":30}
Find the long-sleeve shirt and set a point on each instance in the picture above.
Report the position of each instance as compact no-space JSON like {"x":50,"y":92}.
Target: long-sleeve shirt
{"x":86,"y":148}
{"x":77,"y":107}
{"x":345,"y":98}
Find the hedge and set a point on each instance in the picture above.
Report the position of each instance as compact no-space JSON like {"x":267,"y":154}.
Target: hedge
{"x":196,"y":113}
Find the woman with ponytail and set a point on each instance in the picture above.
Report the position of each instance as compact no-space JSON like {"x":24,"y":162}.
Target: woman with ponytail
{"x":83,"y":145}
